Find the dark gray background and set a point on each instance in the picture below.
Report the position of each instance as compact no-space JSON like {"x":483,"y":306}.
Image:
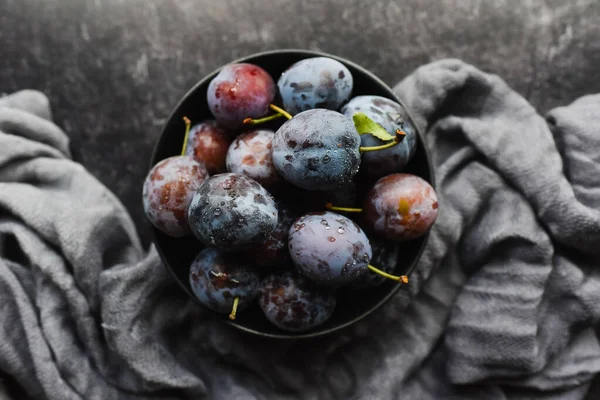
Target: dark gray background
{"x":113,"y":69}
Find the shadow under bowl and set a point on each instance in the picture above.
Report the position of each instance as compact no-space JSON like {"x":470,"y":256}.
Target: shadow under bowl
{"x":177,"y":254}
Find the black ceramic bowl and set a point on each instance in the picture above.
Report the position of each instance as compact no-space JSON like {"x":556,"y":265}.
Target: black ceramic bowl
{"x":177,"y":254}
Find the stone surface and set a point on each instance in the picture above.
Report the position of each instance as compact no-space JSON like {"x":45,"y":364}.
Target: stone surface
{"x":114,"y":69}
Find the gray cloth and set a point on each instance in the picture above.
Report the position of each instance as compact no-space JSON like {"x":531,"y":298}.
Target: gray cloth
{"x":503,"y":304}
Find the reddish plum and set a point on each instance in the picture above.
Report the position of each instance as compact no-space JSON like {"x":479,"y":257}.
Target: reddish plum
{"x":238,"y":92}
{"x":250,"y":154}
{"x":400,"y":207}
{"x":208,"y":143}
{"x":168,"y":190}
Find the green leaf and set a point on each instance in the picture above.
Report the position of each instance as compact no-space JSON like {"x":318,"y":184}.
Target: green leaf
{"x":365,"y":125}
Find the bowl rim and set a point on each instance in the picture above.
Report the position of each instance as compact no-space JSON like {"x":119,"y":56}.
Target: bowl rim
{"x":420,"y":135}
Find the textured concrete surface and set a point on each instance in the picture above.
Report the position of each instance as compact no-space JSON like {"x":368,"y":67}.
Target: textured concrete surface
{"x":114,"y":68}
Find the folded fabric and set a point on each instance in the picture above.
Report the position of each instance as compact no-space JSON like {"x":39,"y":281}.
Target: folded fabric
{"x":502,"y":306}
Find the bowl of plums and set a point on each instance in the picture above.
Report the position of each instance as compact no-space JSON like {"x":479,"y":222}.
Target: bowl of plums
{"x":290,"y":194}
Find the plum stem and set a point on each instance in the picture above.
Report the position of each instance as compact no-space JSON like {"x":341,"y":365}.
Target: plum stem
{"x":401,"y":278}
{"x":400,"y":135}
{"x":280,"y":110}
{"x":382,"y":147}
{"x":188,"y":124}
{"x":236,"y":301}
{"x":250,"y":121}
{"x":331,"y":207}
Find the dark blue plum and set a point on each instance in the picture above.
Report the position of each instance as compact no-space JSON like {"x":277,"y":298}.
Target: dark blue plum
{"x":318,"y":82}
{"x":385,"y":257}
{"x":238,"y":92}
{"x":391,"y":116}
{"x":217,"y":278}
{"x":293,"y":303}
{"x":329,"y":249}
{"x":317,"y":150}
{"x":232,"y":212}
